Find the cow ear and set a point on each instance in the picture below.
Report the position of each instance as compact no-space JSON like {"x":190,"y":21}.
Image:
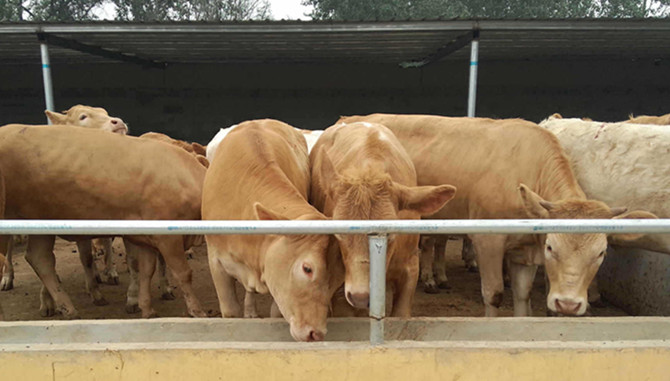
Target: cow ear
{"x":202,"y":160}
{"x":534,"y":205}
{"x":54,"y":117}
{"x":641,"y":214}
{"x":199,"y":149}
{"x":425,"y":200}
{"x":265,"y":214}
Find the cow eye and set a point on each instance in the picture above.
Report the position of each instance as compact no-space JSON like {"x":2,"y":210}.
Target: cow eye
{"x":602,"y":253}
{"x":307,"y":269}
{"x":83,"y":116}
{"x":549,"y":248}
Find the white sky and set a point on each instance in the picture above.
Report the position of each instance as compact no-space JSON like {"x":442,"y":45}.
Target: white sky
{"x":289,"y":10}
{"x":281,"y":10}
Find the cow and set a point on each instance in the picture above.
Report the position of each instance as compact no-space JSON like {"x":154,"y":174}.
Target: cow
{"x":663,"y":120}
{"x":196,"y":149}
{"x":509,"y":169}
{"x":261,"y":172}
{"x":620,"y":163}
{"x":361,"y":172}
{"x":92,"y":118}
{"x":67,"y":172}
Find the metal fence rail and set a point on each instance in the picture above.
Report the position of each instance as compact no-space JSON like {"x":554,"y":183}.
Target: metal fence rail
{"x":376,"y":231}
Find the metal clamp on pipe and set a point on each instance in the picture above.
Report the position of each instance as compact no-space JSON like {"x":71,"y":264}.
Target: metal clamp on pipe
{"x":377,"y":243}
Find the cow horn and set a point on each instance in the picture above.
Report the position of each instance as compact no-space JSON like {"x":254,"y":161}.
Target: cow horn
{"x":618,"y":210}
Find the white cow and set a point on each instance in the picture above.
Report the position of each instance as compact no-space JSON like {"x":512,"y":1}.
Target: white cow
{"x":620,"y":164}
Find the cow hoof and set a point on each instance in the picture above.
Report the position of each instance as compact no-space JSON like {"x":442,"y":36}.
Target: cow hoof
{"x":168,"y":295}
{"x":253,"y":315}
{"x":149,"y":314}
{"x":431,"y":289}
{"x":198,"y":314}
{"x":100,"y":302}
{"x":47,"y":312}
{"x":132,"y":308}
{"x":6,"y":284}
{"x":444,"y":285}
{"x":113,"y":280}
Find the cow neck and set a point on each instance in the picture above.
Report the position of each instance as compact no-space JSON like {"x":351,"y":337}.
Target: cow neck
{"x":557,"y":181}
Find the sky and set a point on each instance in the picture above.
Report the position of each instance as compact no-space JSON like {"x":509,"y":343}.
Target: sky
{"x":288,"y":9}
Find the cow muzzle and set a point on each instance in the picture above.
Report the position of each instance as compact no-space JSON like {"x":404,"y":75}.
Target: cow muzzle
{"x":568,"y":306}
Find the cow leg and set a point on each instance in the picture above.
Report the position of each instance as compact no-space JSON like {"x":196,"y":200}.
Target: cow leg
{"x":7,"y":282}
{"x":489,"y":250}
{"x":427,"y":246}
{"x":146,"y":259}
{"x":110,"y":273}
{"x":405,"y":287}
{"x":86,"y":258}
{"x":225,"y":289}
{"x":522,"y":277}
{"x":468,"y":256}
{"x":167,"y":291}
{"x":250,"y":305}
{"x":47,"y":305}
{"x":132,"y":298}
{"x":440,"y":264}
{"x":172,"y":249}
{"x":41,"y":258}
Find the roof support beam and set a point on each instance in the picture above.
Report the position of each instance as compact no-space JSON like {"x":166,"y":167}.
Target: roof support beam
{"x":452,"y":46}
{"x":98,"y":51}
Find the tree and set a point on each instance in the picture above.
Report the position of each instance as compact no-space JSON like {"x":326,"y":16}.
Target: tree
{"x":62,"y":10}
{"x":11,"y":10}
{"x":200,"y":10}
{"x":494,"y":9}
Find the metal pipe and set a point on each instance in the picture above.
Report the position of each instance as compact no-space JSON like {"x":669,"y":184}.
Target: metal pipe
{"x":377,"y":287}
{"x":121,"y":227}
{"x":474,"y":63}
{"x":46,"y":75}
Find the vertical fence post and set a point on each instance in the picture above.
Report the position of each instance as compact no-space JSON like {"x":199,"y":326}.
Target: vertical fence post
{"x":46,"y":74}
{"x":474,"y":63}
{"x":377,"y":287}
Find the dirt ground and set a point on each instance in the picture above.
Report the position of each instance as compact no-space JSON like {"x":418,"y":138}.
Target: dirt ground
{"x":22,"y":302}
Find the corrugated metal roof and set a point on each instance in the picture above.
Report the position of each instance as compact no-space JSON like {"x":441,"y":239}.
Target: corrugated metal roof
{"x":386,"y":42}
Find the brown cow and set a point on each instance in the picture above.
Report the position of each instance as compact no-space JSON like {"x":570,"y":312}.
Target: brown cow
{"x":361,"y":172}
{"x":93,"y":118}
{"x":196,"y":149}
{"x":663,"y":120}
{"x":509,"y":169}
{"x":73,"y":173}
{"x":261,"y":171}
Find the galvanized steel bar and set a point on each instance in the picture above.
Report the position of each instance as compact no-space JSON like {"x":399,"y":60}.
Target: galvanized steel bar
{"x":378,"y":244}
{"x":46,"y":75}
{"x":474,"y":64}
{"x":135,"y":227}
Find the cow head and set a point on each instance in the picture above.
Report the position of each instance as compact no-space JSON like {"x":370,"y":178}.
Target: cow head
{"x":298,"y":273}
{"x":572,"y":260}
{"x":88,"y":117}
{"x":369,"y":193}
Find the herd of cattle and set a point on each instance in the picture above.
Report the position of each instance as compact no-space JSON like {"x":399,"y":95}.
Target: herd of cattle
{"x":378,"y":166}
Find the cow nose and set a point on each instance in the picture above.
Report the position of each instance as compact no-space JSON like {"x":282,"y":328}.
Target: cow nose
{"x":567,"y":307}
{"x":316,"y":335}
{"x":359,"y":299}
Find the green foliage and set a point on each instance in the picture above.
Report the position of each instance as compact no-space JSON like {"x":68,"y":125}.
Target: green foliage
{"x":208,"y":10}
{"x":11,"y":10}
{"x":492,"y":9}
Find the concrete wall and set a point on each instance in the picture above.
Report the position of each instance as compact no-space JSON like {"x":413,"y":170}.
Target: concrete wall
{"x":193,"y":101}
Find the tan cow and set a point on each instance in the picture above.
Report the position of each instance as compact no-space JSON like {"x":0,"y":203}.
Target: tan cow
{"x":93,"y":118}
{"x":509,"y":169}
{"x":261,"y":172}
{"x":73,"y":173}
{"x":647,"y":119}
{"x":361,"y":172}
{"x":196,"y":149}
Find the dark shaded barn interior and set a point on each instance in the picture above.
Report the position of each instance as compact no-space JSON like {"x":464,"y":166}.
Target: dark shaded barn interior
{"x":190,"y":79}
